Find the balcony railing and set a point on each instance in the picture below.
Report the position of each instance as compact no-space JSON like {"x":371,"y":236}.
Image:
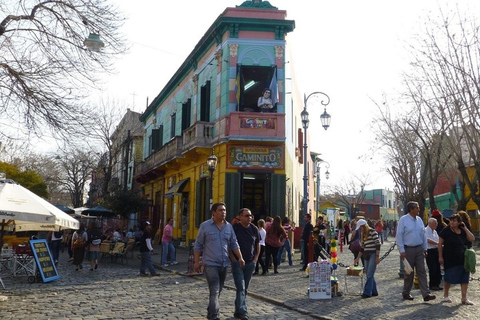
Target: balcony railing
{"x":262,"y":125}
{"x":199,"y":135}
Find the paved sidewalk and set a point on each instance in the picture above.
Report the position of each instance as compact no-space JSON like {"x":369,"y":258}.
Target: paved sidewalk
{"x":289,"y":289}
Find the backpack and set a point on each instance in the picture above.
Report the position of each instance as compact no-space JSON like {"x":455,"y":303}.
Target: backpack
{"x":78,"y":243}
{"x":94,"y":238}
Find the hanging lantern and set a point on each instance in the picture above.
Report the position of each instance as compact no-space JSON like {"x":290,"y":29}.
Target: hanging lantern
{"x":93,"y":42}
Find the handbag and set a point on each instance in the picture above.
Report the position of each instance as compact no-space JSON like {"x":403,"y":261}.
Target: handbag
{"x":355,"y":245}
{"x":470,"y":258}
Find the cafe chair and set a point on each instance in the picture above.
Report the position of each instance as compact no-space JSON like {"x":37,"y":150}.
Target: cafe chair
{"x":117,"y":250}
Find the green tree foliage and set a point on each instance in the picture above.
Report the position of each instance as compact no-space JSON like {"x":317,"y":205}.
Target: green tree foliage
{"x":124,"y":202}
{"x":28,"y":179}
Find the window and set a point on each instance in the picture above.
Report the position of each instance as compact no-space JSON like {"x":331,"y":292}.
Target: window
{"x":186,"y":114}
{"x":205,"y":102}
{"x":149,"y":146}
{"x":157,"y":139}
{"x":251,"y":81}
{"x":172,"y":125}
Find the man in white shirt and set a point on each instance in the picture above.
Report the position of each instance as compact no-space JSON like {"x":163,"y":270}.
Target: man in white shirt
{"x":412,"y":245}
{"x":434,"y":272}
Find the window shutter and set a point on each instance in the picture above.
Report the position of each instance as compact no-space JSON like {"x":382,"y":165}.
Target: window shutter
{"x":232,"y":194}
{"x":279,"y":191}
{"x":208,"y":184}
{"x":198,"y":204}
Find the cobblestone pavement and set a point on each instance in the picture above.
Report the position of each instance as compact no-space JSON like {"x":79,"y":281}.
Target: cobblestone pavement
{"x":115,"y":291}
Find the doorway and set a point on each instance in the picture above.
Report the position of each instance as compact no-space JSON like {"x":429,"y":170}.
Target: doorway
{"x":255,"y":194}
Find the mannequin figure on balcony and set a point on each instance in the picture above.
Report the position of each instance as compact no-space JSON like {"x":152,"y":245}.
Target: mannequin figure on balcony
{"x":265,"y":101}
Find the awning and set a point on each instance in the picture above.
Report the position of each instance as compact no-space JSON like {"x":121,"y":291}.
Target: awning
{"x":177,"y":189}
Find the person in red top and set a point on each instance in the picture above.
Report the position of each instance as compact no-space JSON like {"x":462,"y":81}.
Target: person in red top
{"x":287,"y":245}
{"x":275,"y":239}
{"x":379,"y":229}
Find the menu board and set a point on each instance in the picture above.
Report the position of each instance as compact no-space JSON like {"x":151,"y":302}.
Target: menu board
{"x":44,"y":260}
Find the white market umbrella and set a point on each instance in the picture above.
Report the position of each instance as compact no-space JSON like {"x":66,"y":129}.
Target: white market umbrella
{"x":30,"y":212}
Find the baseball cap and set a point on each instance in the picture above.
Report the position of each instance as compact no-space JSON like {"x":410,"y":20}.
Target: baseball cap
{"x":360,"y":222}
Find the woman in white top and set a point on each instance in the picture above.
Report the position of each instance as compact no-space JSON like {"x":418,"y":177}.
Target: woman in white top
{"x":263,"y":234}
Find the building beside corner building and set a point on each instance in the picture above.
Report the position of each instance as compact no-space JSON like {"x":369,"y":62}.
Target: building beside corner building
{"x":210,"y":106}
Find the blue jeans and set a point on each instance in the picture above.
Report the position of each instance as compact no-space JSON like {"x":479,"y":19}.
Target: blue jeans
{"x":168,"y":247}
{"x":146,"y":262}
{"x":215,"y":279}
{"x":370,"y":267}
{"x":55,"y":249}
{"x":288,"y":249}
{"x":242,"y":278}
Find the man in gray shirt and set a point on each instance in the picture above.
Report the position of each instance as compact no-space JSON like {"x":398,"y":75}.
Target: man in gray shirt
{"x":215,"y":239}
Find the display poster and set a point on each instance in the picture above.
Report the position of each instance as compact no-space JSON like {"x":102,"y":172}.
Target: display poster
{"x":319,"y":280}
{"x":43,"y":257}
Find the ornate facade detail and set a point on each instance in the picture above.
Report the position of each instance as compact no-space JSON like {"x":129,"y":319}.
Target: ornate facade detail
{"x":279,"y":52}
{"x":233,"y":50}
{"x":195,"y":82}
{"x":234,"y":27}
{"x":257,"y":4}
{"x":218,"y":56}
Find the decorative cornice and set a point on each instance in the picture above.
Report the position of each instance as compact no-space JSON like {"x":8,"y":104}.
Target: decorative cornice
{"x":257,"y":4}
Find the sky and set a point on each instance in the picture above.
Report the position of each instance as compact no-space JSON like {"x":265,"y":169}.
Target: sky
{"x":355,"y":51}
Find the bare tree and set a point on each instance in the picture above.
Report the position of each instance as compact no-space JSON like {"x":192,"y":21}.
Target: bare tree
{"x":46,"y":71}
{"x":351,"y":194}
{"x":108,"y":115}
{"x":440,"y":104}
{"x":77,"y":166}
{"x":448,"y":73}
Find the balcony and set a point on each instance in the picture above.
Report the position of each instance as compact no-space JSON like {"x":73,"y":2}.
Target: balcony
{"x":199,"y":135}
{"x":254,"y":124}
{"x":151,"y":167}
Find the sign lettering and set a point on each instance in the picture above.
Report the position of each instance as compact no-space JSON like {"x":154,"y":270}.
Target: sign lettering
{"x":44,"y":260}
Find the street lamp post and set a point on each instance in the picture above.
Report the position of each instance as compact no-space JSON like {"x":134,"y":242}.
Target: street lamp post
{"x":212,"y":166}
{"x":325,"y":119}
{"x":318,"y":164}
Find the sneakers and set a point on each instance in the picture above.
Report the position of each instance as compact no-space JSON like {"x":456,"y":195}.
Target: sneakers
{"x":155,"y":274}
{"x":143,"y":275}
{"x":165,"y":265}
{"x":174,"y":263}
{"x":447,"y":300}
{"x":468,"y":302}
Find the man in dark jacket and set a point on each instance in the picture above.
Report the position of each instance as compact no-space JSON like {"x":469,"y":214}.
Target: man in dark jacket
{"x":306,"y":232}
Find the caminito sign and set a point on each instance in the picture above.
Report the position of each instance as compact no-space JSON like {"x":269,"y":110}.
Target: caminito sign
{"x":255,"y":157}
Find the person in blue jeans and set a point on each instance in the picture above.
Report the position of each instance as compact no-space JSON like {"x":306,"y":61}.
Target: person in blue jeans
{"x":371,"y":253}
{"x":167,"y":244}
{"x":215,"y":240}
{"x":248,"y":239}
{"x":287,"y":245}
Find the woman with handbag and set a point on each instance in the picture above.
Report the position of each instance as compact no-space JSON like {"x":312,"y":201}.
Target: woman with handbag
{"x":275,"y":239}
{"x":371,"y":253}
{"x":355,"y":245}
{"x":452,"y":244}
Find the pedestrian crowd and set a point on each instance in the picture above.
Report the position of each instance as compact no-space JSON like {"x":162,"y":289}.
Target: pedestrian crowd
{"x":437,"y":249}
